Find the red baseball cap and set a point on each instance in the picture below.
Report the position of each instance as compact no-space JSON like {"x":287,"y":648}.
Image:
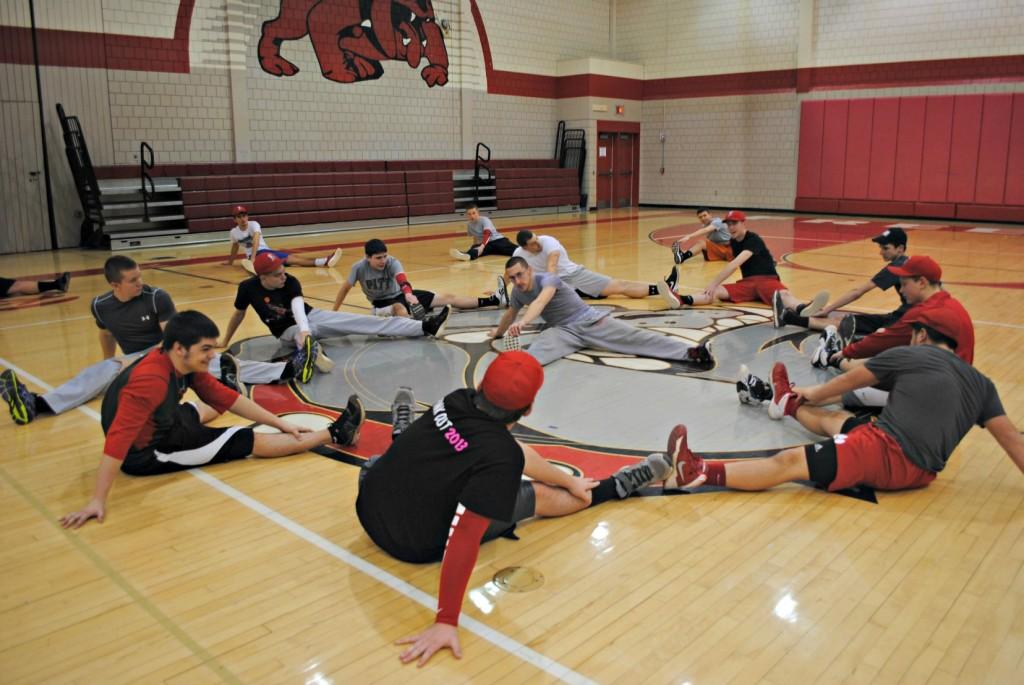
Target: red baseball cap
{"x":919,"y":265}
{"x":239,"y":209}
{"x":266,"y":262}
{"x":512,"y":380}
{"x":942,"y":319}
{"x":735,"y":215}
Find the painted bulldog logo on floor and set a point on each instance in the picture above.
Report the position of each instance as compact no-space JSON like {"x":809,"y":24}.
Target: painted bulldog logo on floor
{"x":352,"y":37}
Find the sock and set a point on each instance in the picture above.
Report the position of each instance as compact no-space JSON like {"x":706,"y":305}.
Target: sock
{"x":604,"y":491}
{"x":320,"y":261}
{"x":48,"y":285}
{"x":686,"y":299}
{"x":491,"y":301}
{"x":792,"y":404}
{"x":42,"y":407}
{"x":800,"y":308}
{"x":794,"y":318}
{"x":687,"y":254}
{"x":716,"y":472}
{"x":652,"y":290}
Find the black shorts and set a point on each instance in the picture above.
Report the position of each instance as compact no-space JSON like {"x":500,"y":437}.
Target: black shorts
{"x":501,"y":246}
{"x":189,"y":444}
{"x":425,"y":297}
{"x":526,"y":506}
{"x":5,"y":285}
{"x":869,"y":323}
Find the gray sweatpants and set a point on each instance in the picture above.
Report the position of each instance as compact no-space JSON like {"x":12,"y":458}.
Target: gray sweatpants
{"x":93,"y":380}
{"x":323,"y":324}
{"x":607,"y":333}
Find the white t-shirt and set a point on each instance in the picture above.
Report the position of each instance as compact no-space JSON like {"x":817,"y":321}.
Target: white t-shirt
{"x":539,"y":262}
{"x":245,"y":238}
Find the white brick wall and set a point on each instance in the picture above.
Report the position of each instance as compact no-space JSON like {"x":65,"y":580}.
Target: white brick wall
{"x":674,"y":39}
{"x":513,"y":127}
{"x":869,"y":31}
{"x":736,"y":151}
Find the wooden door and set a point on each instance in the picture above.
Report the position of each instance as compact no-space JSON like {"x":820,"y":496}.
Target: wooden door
{"x":605,"y":155}
{"x":623,"y":170}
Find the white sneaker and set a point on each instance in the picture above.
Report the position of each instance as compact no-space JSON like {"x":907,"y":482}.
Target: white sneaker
{"x":816,"y":304}
{"x":669,"y":295}
{"x":458,"y":254}
{"x":323,"y":364}
{"x":502,"y":293}
{"x":247,"y":265}
{"x":334,"y":258}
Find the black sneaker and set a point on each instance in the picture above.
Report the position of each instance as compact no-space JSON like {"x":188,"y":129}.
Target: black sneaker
{"x":345,"y":429}
{"x":829,"y":345}
{"x":679,"y":255}
{"x":778,"y":310}
{"x":229,"y":373}
{"x":435,"y":325}
{"x":304,"y":359}
{"x":417,"y":311}
{"x":750,"y":389}
{"x":654,"y":468}
{"x":701,"y":354}
{"x":673,"y":278}
{"x":403,"y":410}
{"x":846,"y":329}
{"x":20,"y":400}
{"x":501,"y":292}
{"x":64,"y":282}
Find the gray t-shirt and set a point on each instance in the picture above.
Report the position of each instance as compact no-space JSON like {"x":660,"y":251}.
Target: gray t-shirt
{"x":721,"y":233}
{"x":478,"y":228}
{"x":564,"y":308}
{"x":934,"y":399}
{"x":135,"y":324}
{"x":377,"y":285}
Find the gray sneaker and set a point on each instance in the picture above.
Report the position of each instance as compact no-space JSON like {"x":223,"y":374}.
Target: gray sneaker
{"x":629,"y":479}
{"x":403,"y":410}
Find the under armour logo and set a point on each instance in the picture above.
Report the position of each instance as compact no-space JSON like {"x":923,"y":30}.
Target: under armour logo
{"x":817,"y":447}
{"x":839,"y":439}
{"x":146,"y":317}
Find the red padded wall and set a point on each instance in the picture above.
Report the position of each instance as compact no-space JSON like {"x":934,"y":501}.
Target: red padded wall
{"x":858,"y":149}
{"x":909,"y":144}
{"x":1015,"y":155}
{"x":884,"y":127}
{"x":994,"y":151}
{"x":833,"y":148}
{"x":938,"y":134}
{"x":808,"y":175}
{"x":963,"y":154}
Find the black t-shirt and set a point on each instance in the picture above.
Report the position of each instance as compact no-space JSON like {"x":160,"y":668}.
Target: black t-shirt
{"x":453,"y":454}
{"x":886,"y":279}
{"x":135,"y":324}
{"x":761,"y":262}
{"x":274,"y":307}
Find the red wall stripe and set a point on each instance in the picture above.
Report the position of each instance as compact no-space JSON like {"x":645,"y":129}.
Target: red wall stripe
{"x":858,"y":149}
{"x":833,"y":148}
{"x":882,"y":170}
{"x":993,"y":149}
{"x":808,"y":168}
{"x":963,"y":154}
{"x":938,"y":133}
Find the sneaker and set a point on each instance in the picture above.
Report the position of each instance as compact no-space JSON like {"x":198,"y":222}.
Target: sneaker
{"x":229,"y":373}
{"x":782,"y":398}
{"x":459,"y":254}
{"x":847,"y":329}
{"x":700,"y":354}
{"x":334,"y":258}
{"x":673,"y":278}
{"x":778,"y":310}
{"x":345,"y":429}
{"x":829,"y":344}
{"x":512,"y":343}
{"x":323,"y":363}
{"x":501,"y":292}
{"x":417,"y":311}
{"x":816,"y":304}
{"x":247,"y":265}
{"x":678,"y":255}
{"x":304,"y":359}
{"x":20,"y":400}
{"x":64,"y":282}
{"x":669,"y":295}
{"x":403,"y":410}
{"x":689,"y":469}
{"x":435,"y":325}
{"x":654,"y":468}
{"x":750,"y":389}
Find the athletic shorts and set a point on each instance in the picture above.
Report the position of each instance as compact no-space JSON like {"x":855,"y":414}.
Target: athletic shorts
{"x":717,"y":252}
{"x":189,"y":444}
{"x":866,"y":455}
{"x":5,"y":285}
{"x":280,"y":255}
{"x":425,"y":297}
{"x":500,"y":246}
{"x":754,"y":289}
{"x":869,"y":323}
{"x":526,"y":506}
{"x":589,"y":283}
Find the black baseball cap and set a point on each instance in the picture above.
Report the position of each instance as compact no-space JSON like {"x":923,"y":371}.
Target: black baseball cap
{"x":891,"y":236}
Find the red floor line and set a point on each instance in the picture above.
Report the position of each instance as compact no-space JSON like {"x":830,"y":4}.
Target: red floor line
{"x":330,"y":246}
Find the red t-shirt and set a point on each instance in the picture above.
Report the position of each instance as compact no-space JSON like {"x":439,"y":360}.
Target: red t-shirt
{"x":899,"y":333}
{"x":140,"y":398}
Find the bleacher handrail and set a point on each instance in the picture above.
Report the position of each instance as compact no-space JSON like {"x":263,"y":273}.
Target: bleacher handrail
{"x":145,"y":164}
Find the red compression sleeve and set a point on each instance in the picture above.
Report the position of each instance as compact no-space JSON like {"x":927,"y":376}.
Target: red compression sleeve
{"x":403,"y":283}
{"x":459,"y":558}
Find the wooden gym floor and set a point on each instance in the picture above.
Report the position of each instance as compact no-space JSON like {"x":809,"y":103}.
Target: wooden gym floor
{"x":258,"y":572}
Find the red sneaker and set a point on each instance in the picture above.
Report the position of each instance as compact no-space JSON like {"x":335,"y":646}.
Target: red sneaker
{"x":689,"y":471}
{"x":784,"y":402}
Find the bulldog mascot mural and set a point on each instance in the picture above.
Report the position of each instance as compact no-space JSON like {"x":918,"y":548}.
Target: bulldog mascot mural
{"x":352,"y":37}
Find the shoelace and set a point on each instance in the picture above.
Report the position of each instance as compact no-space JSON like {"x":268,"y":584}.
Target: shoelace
{"x":639,"y":475}
{"x":403,"y":416}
